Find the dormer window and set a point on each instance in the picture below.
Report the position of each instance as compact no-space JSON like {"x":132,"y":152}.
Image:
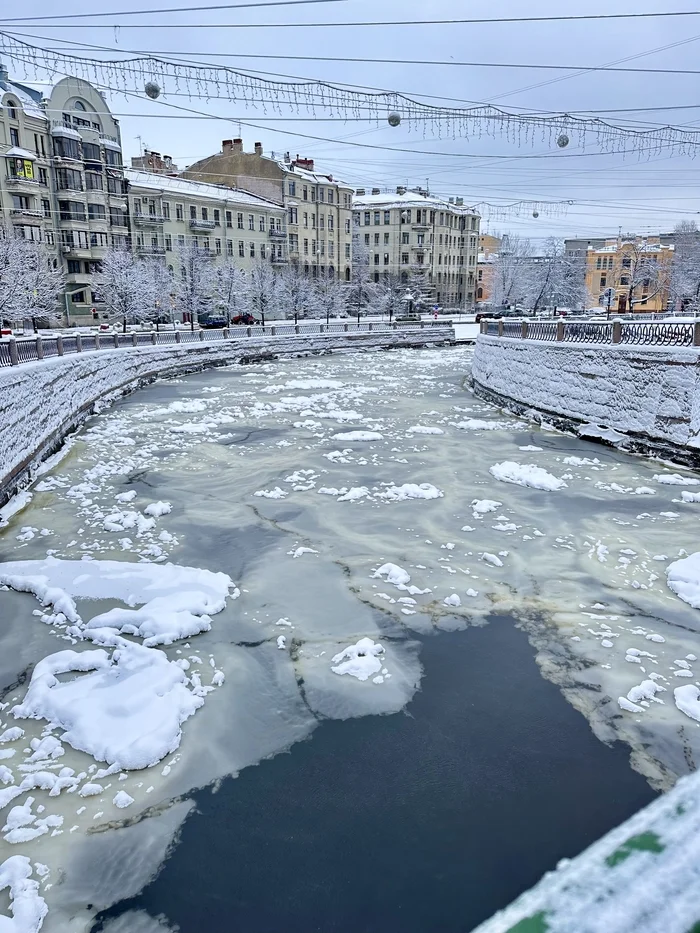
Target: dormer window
{"x":12,"y":109}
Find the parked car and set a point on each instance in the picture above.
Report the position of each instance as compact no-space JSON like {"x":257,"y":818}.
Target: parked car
{"x":246,"y":318}
{"x":212,"y":323}
{"x":487,"y":316}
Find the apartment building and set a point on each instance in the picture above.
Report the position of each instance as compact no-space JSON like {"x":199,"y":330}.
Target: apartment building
{"x":318,"y":206}
{"x":63,"y":180}
{"x":630,"y":273}
{"x":422,"y":239}
{"x":487,"y":258}
{"x":167,"y":212}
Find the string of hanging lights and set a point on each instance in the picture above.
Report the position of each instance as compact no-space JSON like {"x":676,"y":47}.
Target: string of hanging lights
{"x":500,"y":212}
{"x":155,"y":77}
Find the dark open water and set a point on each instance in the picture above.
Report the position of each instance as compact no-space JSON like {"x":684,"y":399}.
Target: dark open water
{"x":425,"y":821}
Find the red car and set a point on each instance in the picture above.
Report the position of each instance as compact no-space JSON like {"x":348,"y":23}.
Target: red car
{"x":244,"y":319}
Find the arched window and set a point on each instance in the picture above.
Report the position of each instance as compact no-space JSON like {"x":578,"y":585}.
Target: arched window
{"x":79,"y":105}
{"x":12,"y":109}
{"x":347,"y":274}
{"x":479,"y":292}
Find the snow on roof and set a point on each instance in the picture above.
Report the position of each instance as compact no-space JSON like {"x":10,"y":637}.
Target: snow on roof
{"x":25,"y":98}
{"x":316,"y":178}
{"x":18,"y":153}
{"x":409,"y":199}
{"x":195,"y":189}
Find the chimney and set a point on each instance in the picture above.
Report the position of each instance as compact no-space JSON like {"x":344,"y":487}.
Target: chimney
{"x":360,"y":192}
{"x":258,"y":149}
{"x":459,"y":202}
{"x":232,"y":145}
{"x":376,"y":191}
{"x":307,"y":164}
{"x":400,"y":190}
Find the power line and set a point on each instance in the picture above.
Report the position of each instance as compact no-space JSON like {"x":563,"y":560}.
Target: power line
{"x":175,"y":9}
{"x":416,"y":22}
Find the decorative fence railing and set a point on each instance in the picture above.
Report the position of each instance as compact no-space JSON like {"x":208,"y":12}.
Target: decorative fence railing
{"x":642,"y":333}
{"x":14,"y":351}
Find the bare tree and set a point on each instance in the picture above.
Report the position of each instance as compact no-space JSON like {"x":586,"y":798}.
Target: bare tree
{"x":685,"y":272}
{"x":554,"y":280}
{"x":263,"y":288}
{"x":230,"y":290}
{"x":392,"y":295}
{"x":510,"y":271}
{"x":194,"y":284}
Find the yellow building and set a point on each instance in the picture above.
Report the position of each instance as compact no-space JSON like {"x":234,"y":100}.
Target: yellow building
{"x":489,"y":247}
{"x":629,"y":275}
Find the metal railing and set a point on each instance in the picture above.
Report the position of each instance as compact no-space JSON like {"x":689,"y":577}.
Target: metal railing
{"x":638,"y":333}
{"x":17,"y":350}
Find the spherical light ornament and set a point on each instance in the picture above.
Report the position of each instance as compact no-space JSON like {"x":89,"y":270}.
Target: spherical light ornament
{"x":152,"y":90}
{"x":535,"y":214}
{"x":394,"y":118}
{"x":562,"y":140}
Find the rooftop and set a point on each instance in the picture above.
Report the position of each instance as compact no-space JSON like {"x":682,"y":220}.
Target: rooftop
{"x":407,"y":200}
{"x":195,"y":189}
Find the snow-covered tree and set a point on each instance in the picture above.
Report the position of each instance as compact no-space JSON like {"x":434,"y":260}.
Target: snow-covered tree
{"x":363,"y":293}
{"x":230,"y":291}
{"x":194,"y":284}
{"x":553,"y":280}
{"x":30,"y":283}
{"x":510,"y":272}
{"x":121,"y":282}
{"x":295,"y":292}
{"x":158,"y":291}
{"x":638,"y":274}
{"x":263,"y":289}
{"x":392,"y":295}
{"x":685,"y":272}
{"x":328,"y":296}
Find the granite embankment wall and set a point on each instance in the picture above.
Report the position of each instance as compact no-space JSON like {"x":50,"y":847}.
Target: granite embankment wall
{"x":650,"y":395}
{"x":41,"y":402}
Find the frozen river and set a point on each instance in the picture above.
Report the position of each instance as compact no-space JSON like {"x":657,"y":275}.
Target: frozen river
{"x":226,"y":564}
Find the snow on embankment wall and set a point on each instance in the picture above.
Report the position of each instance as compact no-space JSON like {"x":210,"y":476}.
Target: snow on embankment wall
{"x":41,"y":402}
{"x":650,"y":394}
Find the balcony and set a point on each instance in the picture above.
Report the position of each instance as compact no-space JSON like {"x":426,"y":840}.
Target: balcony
{"x":201,"y":224}
{"x":25,"y":212}
{"x":150,"y":250}
{"x":278,"y":260}
{"x":149,"y":220}
{"x":14,"y":181}
{"x":277,"y":234}
{"x":418,"y":227}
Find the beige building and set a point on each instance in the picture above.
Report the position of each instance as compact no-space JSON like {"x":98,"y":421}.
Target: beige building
{"x":630,"y":274}
{"x":63,"y":180}
{"x":318,"y":206}
{"x":413,"y":236}
{"x":154,"y":163}
{"x":168,"y":212}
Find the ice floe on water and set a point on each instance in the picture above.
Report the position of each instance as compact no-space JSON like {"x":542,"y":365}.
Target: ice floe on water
{"x":356,"y":500}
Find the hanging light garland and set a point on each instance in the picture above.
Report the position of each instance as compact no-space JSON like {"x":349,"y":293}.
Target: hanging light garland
{"x":155,"y":77}
{"x":501,"y":212}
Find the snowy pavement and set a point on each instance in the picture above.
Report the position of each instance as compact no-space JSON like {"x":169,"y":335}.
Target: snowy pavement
{"x":221,"y":560}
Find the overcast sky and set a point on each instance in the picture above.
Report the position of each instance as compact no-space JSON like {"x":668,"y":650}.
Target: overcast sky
{"x":608,"y":191}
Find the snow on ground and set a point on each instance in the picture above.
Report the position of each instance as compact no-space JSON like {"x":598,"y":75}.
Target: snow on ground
{"x":262,"y":470}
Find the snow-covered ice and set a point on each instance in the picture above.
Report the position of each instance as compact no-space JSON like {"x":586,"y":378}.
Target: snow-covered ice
{"x":526,"y":474}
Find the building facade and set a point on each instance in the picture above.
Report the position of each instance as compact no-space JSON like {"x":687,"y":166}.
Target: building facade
{"x":413,"y":237}
{"x":168,"y":212}
{"x":318,"y":206}
{"x":63,"y":179}
{"x":628,"y":274}
{"x":489,"y":247}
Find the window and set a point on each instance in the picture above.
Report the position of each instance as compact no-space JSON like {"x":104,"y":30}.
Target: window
{"x":263,"y":251}
{"x":68,"y":179}
{"x":322,"y":221}
{"x":179,"y":212}
{"x":168,"y":242}
{"x":293,"y":242}
{"x":181,"y":239}
{"x":599,"y":263}
{"x":65,"y":147}
{"x":98,"y":239}
{"x":217,"y":217}
{"x":261,"y":223}
{"x":73,"y":266}
{"x":406,"y":238}
{"x":386,"y":239}
{"x":205,"y":243}
{"x":115,"y":185}
{"x":480,"y":275}
{"x":305,"y":193}
{"x":347,"y":250}
{"x":251,"y":221}
{"x":313,"y":194}
{"x":313,"y":247}
{"x":229,"y":219}
{"x":205,"y":213}
{"x":217,"y":247}
{"x":331,"y":196}
{"x":624,"y":280}
{"x":323,"y":247}
{"x":113,"y":157}
{"x":313,"y":221}
{"x":72,"y":210}
{"x":252,"y":250}
{"x":420,"y":259}
{"x":193,"y":212}
{"x":603,"y":281}
{"x":376,"y":239}
{"x":46,"y":207}
{"x":321,"y":192}
{"x":239,"y":221}
{"x":376,"y":218}
{"x":93,"y":181}
{"x":331,"y":223}
{"x":195,"y":242}
{"x":78,"y":298}
{"x":97,"y":212}
{"x":306,"y":247}
{"x":386,"y":259}
{"x":117,"y":217}
{"x":12,"y":109}
{"x":366,"y":239}
{"x":14,"y":136}
{"x":43,"y":176}
{"x":347,"y":226}
{"x":91,"y":152}
{"x":404,"y":259}
{"x":292,"y":188}
{"x":241,"y":247}
{"x":166,"y":210}
{"x":367,"y":218}
{"x":626,"y":262}
{"x":229,"y":248}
